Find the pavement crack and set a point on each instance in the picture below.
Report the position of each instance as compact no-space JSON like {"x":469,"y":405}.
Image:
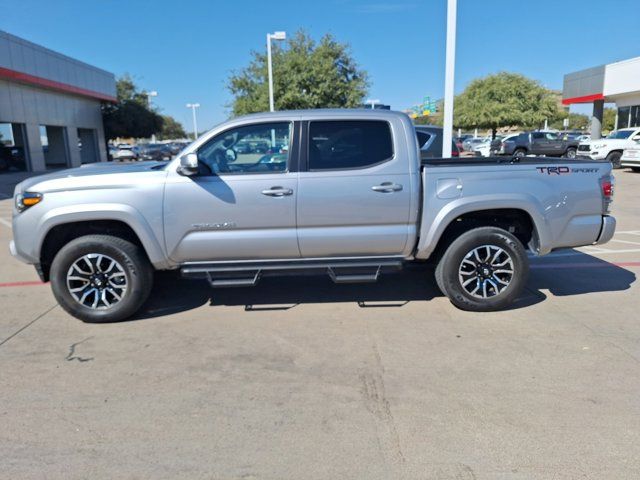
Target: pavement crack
{"x":72,"y":352}
{"x":27,"y":325}
{"x":376,"y":401}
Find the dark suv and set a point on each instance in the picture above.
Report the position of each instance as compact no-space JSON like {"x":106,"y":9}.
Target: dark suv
{"x":549,"y":144}
{"x":430,"y":142}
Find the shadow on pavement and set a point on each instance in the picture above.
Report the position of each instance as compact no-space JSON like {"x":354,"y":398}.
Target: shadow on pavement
{"x":573,"y":273}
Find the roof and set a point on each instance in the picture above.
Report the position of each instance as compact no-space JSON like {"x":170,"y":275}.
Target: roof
{"x":321,"y":113}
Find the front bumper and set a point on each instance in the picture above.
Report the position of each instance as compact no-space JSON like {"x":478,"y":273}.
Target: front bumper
{"x":16,"y":254}
{"x":607,"y":230}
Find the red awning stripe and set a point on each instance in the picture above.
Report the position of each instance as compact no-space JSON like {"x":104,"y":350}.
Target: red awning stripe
{"x":584,"y":99}
{"x":21,"y":77}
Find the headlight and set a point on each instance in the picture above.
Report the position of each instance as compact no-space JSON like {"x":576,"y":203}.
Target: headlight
{"x":26,"y":200}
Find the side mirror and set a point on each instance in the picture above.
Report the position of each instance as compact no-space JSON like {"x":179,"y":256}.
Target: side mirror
{"x":189,"y":164}
{"x":636,"y":138}
{"x":230,"y":155}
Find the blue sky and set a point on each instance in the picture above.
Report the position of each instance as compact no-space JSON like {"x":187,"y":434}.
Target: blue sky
{"x":186,"y":49}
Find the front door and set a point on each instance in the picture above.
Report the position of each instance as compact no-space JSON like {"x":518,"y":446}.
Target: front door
{"x":242,"y":204}
{"x":354,"y":195}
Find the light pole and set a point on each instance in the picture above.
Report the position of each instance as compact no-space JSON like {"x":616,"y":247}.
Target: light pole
{"x":373,"y":102}
{"x":150,"y":94}
{"x":274,"y":36}
{"x":450,"y":63}
{"x":193,"y":107}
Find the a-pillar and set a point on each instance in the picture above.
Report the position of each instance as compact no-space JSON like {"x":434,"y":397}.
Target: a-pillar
{"x":596,"y":120}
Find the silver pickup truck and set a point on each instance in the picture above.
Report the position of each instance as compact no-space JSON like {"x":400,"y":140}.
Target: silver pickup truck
{"x":342,"y":192}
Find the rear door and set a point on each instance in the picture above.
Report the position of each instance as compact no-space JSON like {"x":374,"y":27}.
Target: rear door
{"x":555,"y":145}
{"x":354,"y":190}
{"x":539,"y":144}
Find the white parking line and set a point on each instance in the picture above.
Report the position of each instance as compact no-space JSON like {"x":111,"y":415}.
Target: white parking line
{"x":5,"y":222}
{"x":624,"y":241}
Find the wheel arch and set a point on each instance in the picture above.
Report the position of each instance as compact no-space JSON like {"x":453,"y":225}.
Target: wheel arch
{"x":62,"y":227}
{"x":517,"y":216}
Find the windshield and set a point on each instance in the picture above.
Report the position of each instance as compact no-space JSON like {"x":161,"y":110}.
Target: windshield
{"x":620,"y":134}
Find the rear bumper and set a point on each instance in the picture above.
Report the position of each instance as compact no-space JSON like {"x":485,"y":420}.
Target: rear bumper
{"x":607,"y":230}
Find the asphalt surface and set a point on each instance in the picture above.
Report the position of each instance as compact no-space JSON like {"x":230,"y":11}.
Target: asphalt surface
{"x":303,"y":379}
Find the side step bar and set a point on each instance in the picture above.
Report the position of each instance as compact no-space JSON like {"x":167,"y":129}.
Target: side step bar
{"x":247,"y":274}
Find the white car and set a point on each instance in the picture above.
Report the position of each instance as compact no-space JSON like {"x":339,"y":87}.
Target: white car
{"x":124,"y":152}
{"x":611,"y":147}
{"x":631,"y":158}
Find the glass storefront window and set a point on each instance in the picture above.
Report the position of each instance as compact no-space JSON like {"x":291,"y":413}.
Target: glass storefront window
{"x":635,"y":116}
{"x":623,"y":117}
{"x":6,"y":134}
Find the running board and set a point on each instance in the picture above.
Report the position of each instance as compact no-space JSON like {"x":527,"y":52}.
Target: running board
{"x":247,"y":274}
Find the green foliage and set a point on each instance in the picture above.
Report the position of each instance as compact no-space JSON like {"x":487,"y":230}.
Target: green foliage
{"x":577,"y":121}
{"x":609,"y":119}
{"x":171,"y":129}
{"x":131,"y":115}
{"x":505,"y":100}
{"x":306,"y":74}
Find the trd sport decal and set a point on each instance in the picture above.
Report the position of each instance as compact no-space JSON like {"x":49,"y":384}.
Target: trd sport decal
{"x":565,"y":170}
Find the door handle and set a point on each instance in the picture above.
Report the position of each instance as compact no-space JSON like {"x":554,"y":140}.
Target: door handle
{"x":277,"y":192}
{"x":387,"y":187}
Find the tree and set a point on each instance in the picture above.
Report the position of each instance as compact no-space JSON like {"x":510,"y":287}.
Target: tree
{"x":609,"y":119}
{"x":130,"y":116}
{"x":171,"y":129}
{"x":577,"y":121}
{"x":306,"y":75}
{"x":505,"y":100}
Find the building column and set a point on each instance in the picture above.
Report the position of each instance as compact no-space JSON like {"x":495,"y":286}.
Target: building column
{"x":596,"y":119}
{"x":33,"y":144}
{"x":74,"y":152}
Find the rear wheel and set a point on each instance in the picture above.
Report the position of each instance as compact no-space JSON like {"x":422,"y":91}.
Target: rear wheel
{"x":614,"y":158}
{"x":484,"y":269}
{"x":519,"y":153}
{"x":101,"y":278}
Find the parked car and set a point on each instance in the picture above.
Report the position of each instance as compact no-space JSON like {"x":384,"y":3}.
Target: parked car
{"x":540,"y":143}
{"x":155,"y":151}
{"x":430,"y":142}
{"x":124,"y":152}
{"x":484,"y":149}
{"x":631,"y":158}
{"x":470,"y":144}
{"x":611,"y":147}
{"x":497,"y":145}
{"x":351,"y":198}
{"x":460,"y":140}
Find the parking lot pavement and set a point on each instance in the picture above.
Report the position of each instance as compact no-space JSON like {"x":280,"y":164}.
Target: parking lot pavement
{"x":300,"y":378}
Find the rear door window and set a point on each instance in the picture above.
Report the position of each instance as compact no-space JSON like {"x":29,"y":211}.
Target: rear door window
{"x":423,"y":138}
{"x":348,"y":144}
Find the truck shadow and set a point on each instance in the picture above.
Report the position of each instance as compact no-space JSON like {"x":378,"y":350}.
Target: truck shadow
{"x":568,"y":273}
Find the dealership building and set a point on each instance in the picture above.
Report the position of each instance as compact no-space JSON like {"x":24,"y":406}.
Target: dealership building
{"x":49,"y":108}
{"x":617,"y":83}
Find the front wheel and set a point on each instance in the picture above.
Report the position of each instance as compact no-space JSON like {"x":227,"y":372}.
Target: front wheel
{"x":484,"y":269}
{"x":101,"y":278}
{"x":570,"y":153}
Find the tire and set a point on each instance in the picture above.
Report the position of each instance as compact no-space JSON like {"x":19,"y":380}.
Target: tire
{"x":84,"y":265}
{"x":614,"y":158}
{"x":635,"y":169}
{"x":450,"y":270}
{"x":570,"y":153}
{"x":519,"y":152}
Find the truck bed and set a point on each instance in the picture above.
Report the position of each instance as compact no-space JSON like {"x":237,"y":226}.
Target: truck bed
{"x":562,"y":197}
